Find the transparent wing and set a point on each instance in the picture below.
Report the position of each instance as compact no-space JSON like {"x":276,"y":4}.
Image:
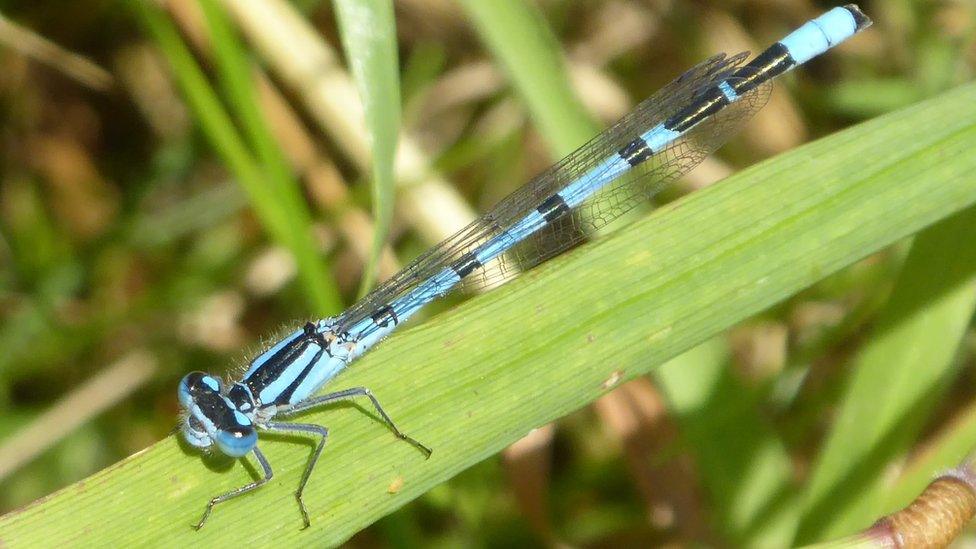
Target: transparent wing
{"x":607,"y":204}
{"x":626,"y":192}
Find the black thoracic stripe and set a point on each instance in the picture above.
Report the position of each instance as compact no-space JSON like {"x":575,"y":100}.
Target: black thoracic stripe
{"x":771,"y":63}
{"x":552,"y":207}
{"x":636,"y":151}
{"x":241,"y":396}
{"x":705,"y":105}
{"x":384,"y":315}
{"x":277,"y":363}
{"x":465,"y":265}
{"x":285,"y":395}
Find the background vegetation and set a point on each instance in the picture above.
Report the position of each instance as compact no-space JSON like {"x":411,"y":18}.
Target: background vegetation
{"x":181,"y":179}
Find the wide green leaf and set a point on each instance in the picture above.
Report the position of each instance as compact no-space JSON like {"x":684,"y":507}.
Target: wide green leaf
{"x":475,"y":379}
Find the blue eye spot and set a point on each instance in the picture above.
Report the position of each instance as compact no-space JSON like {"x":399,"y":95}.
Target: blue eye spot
{"x":211,"y":382}
{"x":241,"y":418}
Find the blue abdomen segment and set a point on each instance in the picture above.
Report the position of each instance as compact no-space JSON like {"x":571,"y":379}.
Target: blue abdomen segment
{"x":494,"y":247}
{"x":659,"y":137}
{"x":820,"y":34}
{"x":579,"y":190}
{"x":728,"y":91}
{"x":434,"y":287}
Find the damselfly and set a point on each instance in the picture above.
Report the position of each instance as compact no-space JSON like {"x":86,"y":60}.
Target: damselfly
{"x":664,"y":137}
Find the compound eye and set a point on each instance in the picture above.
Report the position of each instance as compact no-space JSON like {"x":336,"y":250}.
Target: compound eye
{"x":195,"y":384}
{"x":237,"y":441}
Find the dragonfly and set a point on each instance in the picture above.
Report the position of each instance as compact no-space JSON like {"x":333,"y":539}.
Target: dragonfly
{"x":662,"y":138}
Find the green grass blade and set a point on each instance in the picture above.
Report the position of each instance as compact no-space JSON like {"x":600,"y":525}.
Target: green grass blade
{"x":237,"y":79}
{"x":524,"y":44}
{"x":898,"y":378}
{"x":743,"y":464}
{"x":477,"y":378}
{"x":227,"y":142}
{"x":368,"y":32}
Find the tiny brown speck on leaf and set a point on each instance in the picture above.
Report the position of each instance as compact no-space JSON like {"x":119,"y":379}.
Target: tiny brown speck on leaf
{"x":395,"y":485}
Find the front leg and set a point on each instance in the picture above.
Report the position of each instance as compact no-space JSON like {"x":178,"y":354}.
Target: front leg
{"x":303,"y":428}
{"x":239,"y":491}
{"x":349,"y":394}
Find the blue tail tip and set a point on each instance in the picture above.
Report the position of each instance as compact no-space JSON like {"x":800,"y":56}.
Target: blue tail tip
{"x":860,"y":20}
